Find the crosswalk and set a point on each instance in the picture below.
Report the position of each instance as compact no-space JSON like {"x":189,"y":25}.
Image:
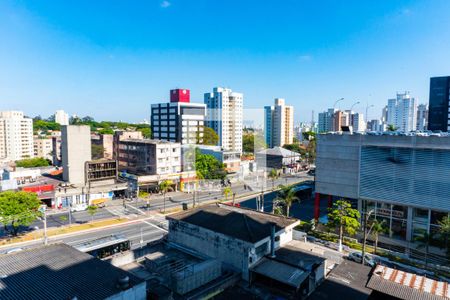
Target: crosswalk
{"x":121,"y":212}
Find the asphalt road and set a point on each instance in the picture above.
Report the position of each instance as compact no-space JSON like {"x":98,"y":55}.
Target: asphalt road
{"x":148,"y":229}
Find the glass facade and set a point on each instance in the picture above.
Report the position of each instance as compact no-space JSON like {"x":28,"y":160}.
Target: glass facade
{"x":439,"y":104}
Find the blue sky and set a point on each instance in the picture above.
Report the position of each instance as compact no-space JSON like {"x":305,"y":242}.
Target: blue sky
{"x":112,"y":59}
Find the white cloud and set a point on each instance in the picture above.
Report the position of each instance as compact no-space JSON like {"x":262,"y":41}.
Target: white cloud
{"x":305,"y":58}
{"x":165,"y":4}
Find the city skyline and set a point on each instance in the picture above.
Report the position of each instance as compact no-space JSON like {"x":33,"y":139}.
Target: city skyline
{"x":134,"y":55}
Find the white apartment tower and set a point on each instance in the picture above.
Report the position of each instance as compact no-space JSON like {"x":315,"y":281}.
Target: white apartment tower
{"x":61,"y":117}
{"x":225,"y":116}
{"x":279,"y":124}
{"x":16,"y":136}
{"x":402,"y":112}
{"x":422,"y":117}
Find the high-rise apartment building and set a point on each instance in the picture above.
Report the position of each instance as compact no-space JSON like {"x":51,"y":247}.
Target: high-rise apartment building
{"x":43,"y":147}
{"x":225,"y":116}
{"x":75,"y":152}
{"x":180,"y":120}
{"x":279,"y":124}
{"x":439,"y":108}
{"x":402,"y":112}
{"x":357,"y":122}
{"x":16,"y":136}
{"x":422,"y":117}
{"x":326,"y":121}
{"x":61,"y":117}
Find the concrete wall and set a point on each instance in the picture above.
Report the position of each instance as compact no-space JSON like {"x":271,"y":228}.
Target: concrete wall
{"x":138,"y":292}
{"x":75,"y":151}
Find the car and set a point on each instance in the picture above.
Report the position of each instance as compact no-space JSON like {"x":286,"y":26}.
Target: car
{"x":357,"y":257}
{"x":14,"y":250}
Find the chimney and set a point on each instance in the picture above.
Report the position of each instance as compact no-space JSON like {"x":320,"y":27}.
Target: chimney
{"x":272,"y":240}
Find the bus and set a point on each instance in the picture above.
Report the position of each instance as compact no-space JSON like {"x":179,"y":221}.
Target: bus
{"x":105,"y":246}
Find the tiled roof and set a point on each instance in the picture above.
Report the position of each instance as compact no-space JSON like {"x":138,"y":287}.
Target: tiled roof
{"x":408,"y":286}
{"x":58,"y":271}
{"x":243,"y":224}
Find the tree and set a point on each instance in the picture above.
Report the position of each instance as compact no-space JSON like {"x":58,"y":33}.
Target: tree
{"x":226,"y":192}
{"x":32,"y":162}
{"x":208,"y":167}
{"x":210,"y":137}
{"x":287,"y":196}
{"x":391,"y":127}
{"x":106,"y":130}
{"x":146,"y":132}
{"x":273,"y":174}
{"x":376,"y":228}
{"x":253,"y":142}
{"x":92,"y":210}
{"x":344,"y":217}
{"x":18,"y":209}
{"x":444,"y":232}
{"x":98,"y":151}
{"x":164,"y":187}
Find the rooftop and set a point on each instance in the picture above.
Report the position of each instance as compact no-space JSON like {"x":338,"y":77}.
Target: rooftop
{"x":293,"y":255}
{"x":58,"y":271}
{"x":408,"y":286}
{"x":279,"y":151}
{"x":147,"y":141}
{"x":243,"y":224}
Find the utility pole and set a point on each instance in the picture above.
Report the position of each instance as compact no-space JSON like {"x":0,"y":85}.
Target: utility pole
{"x":43,"y":210}
{"x":365,"y":233}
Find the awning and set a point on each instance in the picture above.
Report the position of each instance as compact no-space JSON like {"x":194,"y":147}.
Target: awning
{"x":281,"y":272}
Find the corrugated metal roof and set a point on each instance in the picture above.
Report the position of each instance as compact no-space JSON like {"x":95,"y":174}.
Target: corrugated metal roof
{"x":406,"y":285}
{"x":281,"y":272}
{"x":58,"y":272}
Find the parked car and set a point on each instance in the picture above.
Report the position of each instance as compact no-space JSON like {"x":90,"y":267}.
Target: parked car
{"x":357,"y":257}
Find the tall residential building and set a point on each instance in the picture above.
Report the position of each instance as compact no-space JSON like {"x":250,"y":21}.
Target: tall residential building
{"x":384,"y":114}
{"x":225,"y":116}
{"x":16,"y":136}
{"x":279,"y":124}
{"x":438,"y":117}
{"x":75,"y":152}
{"x":422,"y":117}
{"x":326,"y":121}
{"x":180,"y":120}
{"x":61,"y":117}
{"x":402,"y":112}
{"x":43,"y":147}
{"x":357,"y":122}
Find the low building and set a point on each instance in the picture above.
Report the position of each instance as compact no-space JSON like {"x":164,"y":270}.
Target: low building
{"x":278,"y":158}
{"x":231,"y":159}
{"x":393,"y":284}
{"x":124,"y":135}
{"x":59,"y":271}
{"x":149,"y":157}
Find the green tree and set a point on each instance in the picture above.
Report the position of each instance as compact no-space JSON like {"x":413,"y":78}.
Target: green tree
{"x":208,"y":167}
{"x":227,"y":192}
{"x":97,"y":151}
{"x":92,"y":210}
{"x":391,"y":127}
{"x":165,"y":186}
{"x":253,"y":142}
{"x":210,"y":137}
{"x":376,"y":228}
{"x":106,"y":130}
{"x":273,"y":175}
{"x":444,"y":233}
{"x":287,"y":196}
{"x":343,"y":217}
{"x":146,"y":132}
{"x":18,"y":209}
{"x":32,"y":162}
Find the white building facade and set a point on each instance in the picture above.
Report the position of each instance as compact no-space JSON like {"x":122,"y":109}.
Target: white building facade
{"x":402,"y":112}
{"x":61,"y":117}
{"x":16,"y":136}
{"x":225,"y":116}
{"x":422,"y":117}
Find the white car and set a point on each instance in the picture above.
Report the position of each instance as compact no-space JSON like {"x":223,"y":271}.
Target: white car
{"x":357,"y":257}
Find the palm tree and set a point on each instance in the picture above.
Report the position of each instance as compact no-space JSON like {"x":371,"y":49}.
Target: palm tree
{"x":273,"y":175}
{"x":376,"y":228}
{"x":287,"y":196}
{"x":226,"y":192}
{"x":164,"y":187}
{"x":424,"y":242}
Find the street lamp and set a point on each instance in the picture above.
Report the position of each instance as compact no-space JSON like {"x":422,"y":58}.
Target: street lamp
{"x":367,"y":111}
{"x":337,"y":101}
{"x":356,"y":103}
